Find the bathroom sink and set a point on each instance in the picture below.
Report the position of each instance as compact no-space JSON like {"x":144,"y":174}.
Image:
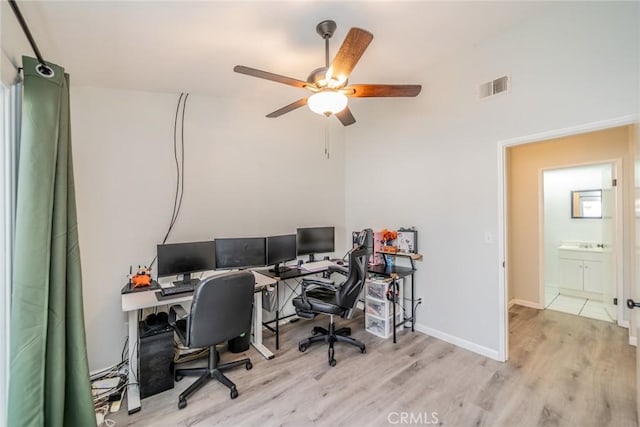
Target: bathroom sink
{"x":580,"y":247}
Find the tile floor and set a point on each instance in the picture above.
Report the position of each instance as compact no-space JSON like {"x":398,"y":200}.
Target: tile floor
{"x":573,"y":305}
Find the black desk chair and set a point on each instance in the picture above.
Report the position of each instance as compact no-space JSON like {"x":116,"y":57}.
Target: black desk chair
{"x":220,"y":311}
{"x":323,"y":296}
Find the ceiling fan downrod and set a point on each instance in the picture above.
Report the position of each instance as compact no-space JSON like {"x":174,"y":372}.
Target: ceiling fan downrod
{"x":326,"y":30}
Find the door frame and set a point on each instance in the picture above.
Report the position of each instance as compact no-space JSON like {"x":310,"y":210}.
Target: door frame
{"x":502,"y":145}
{"x":618,"y":229}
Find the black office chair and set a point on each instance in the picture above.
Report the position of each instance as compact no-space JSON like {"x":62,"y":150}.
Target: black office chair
{"x":324,"y":296}
{"x":220,"y":311}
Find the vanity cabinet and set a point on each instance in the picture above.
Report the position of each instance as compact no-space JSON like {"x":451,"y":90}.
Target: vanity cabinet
{"x":581,"y":270}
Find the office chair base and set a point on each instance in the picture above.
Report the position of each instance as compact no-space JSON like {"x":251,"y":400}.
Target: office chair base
{"x":212,"y":371}
{"x":330,"y":336}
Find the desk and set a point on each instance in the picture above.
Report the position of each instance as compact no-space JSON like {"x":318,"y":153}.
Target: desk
{"x":292,"y":273}
{"x":393,"y":271}
{"x":132,"y":302}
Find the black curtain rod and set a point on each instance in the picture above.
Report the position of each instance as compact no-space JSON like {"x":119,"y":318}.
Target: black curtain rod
{"x":45,"y":69}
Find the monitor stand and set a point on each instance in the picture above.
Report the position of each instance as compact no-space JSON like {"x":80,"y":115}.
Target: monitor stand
{"x":279,"y":268}
{"x":186,"y":281}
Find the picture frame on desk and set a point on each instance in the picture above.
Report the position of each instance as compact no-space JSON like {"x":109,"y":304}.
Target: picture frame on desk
{"x":407,"y":241}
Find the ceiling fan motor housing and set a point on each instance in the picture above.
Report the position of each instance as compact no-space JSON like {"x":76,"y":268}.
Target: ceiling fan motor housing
{"x":318,"y":77}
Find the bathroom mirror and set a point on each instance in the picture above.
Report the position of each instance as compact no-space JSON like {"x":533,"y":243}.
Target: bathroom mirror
{"x":586,"y":204}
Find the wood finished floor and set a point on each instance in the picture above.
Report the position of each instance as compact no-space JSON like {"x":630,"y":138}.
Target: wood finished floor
{"x":563,"y":370}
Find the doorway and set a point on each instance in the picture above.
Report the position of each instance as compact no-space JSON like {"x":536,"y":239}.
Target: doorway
{"x":578,"y":240}
{"x":519,"y":227}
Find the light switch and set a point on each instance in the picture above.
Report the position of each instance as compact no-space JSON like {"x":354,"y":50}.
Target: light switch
{"x":488,"y":237}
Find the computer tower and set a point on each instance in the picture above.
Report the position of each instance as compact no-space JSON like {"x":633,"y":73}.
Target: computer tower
{"x":155,"y":357}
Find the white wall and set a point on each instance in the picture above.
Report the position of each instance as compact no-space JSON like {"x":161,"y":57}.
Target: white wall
{"x":245,"y":176}
{"x":576,"y":66}
{"x":558,"y":224}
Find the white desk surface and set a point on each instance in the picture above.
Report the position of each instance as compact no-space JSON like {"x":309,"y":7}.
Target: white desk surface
{"x":145,"y":299}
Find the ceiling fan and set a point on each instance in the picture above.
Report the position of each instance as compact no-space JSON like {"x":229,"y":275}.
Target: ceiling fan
{"x":329,"y":84}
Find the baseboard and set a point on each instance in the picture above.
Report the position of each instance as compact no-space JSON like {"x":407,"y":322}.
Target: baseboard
{"x":633,"y":341}
{"x":467,"y":345}
{"x":511,"y":303}
{"x":623,"y":324}
{"x":525,"y":303}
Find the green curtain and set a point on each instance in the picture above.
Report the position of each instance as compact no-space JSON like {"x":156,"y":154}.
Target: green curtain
{"x":49,"y":378}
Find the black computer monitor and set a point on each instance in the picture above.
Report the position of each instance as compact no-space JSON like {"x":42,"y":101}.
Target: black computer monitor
{"x":281,"y":249}
{"x":242,"y":252}
{"x":184,"y":259}
{"x":315,"y":240}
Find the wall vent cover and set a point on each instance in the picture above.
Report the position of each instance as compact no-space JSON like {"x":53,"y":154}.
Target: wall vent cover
{"x":494,"y":87}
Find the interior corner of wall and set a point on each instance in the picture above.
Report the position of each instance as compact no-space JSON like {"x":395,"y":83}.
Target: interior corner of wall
{"x":8,"y":70}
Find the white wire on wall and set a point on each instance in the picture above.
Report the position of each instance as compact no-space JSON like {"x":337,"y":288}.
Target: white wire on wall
{"x":10,"y":111}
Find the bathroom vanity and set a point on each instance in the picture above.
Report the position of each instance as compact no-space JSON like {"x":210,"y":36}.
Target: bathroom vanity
{"x":581,"y":268}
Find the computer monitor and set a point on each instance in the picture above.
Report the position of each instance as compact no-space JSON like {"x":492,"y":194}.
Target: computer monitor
{"x":315,"y":240}
{"x":243,"y":252}
{"x":280,"y":249}
{"x":184,"y":259}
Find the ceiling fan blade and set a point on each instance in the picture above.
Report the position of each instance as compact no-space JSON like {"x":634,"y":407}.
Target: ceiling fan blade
{"x":368,"y":91}
{"x":299,"y":103}
{"x":350,"y":52}
{"x":345,"y":117}
{"x":269,"y":76}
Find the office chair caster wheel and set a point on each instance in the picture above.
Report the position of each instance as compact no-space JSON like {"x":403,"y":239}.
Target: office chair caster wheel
{"x":234,"y":393}
{"x":182,"y":403}
{"x":178,"y":378}
{"x":363,"y":349}
{"x":332,"y":362}
{"x":249,"y":366}
{"x":302,"y":348}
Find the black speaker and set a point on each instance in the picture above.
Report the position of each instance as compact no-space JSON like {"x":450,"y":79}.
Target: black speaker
{"x":155,"y":359}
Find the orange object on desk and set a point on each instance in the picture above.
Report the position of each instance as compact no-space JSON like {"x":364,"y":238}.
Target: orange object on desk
{"x":141,"y":278}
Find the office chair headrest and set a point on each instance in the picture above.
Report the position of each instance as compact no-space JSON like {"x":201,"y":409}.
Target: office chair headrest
{"x":365,"y":239}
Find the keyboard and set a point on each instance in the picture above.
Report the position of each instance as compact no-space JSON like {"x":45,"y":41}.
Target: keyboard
{"x":316,"y":265}
{"x":175,"y":290}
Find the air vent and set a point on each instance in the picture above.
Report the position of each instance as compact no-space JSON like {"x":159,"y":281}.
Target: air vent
{"x":494,"y":87}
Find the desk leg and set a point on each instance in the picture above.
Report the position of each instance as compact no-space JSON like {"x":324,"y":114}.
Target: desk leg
{"x":393,"y":303}
{"x":133,"y":388}
{"x":257,"y":327}
{"x":277,"y":315}
{"x":413,"y":313}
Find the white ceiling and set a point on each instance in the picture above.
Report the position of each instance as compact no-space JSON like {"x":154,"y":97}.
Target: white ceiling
{"x":192,"y":46}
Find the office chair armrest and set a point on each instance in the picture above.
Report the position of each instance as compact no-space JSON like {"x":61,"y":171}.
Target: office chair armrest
{"x":176,"y":312}
{"x":319,"y":282}
{"x":340,"y":269}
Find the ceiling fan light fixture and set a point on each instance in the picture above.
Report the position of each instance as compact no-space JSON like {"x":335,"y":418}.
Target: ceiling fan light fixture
{"x":327,"y":102}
